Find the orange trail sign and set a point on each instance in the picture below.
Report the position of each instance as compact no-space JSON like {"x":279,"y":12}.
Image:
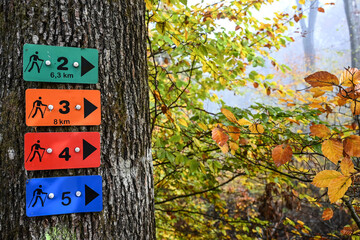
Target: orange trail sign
{"x":53,"y":107}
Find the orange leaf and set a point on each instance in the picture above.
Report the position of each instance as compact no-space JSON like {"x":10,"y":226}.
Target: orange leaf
{"x":352,"y":146}
{"x":320,"y":130}
{"x":338,"y":187}
{"x":347,"y":166}
{"x":256,"y":85}
{"x":322,"y":79}
{"x":229,"y":115}
{"x":219,"y":136}
{"x":282,"y":154}
{"x":355,"y":107}
{"x":268,"y":91}
{"x":256,"y":128}
{"x":327,"y":214}
{"x":323,"y":178}
{"x":234,"y":132}
{"x":347,"y":231}
{"x":296,"y":18}
{"x":332,"y":149}
{"x":350,"y":77}
{"x":320,"y":9}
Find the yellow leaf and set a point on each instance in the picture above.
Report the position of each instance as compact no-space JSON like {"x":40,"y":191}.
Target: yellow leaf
{"x":347,"y":166}
{"x":352,"y":146}
{"x":327,"y":214}
{"x":323,"y":178}
{"x":202,"y":126}
{"x":256,"y":128}
{"x":315,"y":105}
{"x":302,"y":1}
{"x":338,"y":187}
{"x":333,"y":150}
{"x":350,"y":77}
{"x":282,"y":154}
{"x":219,"y":136}
{"x":233,"y":147}
{"x":244,"y":122}
{"x":320,"y":130}
{"x":229,"y":115}
{"x":197,"y":142}
{"x":183,"y":122}
{"x":225,"y":148}
{"x":322,"y":79}
{"x":317,"y":92}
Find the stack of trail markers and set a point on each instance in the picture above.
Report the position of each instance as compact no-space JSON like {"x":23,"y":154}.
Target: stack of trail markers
{"x":62,"y":150}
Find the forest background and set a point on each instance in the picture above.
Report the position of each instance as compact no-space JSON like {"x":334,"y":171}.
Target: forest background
{"x":254,"y":118}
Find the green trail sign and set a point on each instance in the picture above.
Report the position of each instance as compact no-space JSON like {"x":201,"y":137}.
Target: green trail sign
{"x":42,"y":63}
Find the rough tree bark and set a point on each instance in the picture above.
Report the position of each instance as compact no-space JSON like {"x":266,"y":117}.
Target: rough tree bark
{"x":352,"y":12}
{"x":308,"y":31}
{"x":117,"y":29}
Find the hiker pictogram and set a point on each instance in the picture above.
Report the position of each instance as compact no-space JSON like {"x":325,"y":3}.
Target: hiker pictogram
{"x":35,"y":151}
{"x":38,"y":195}
{"x":38,"y":105}
{"x":34,"y":61}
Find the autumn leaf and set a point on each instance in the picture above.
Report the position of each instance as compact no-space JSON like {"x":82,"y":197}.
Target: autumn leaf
{"x":347,"y":166}
{"x":256,"y":128}
{"x":256,"y":85}
{"x":320,"y":130}
{"x":347,"y":231}
{"x":332,"y":149}
{"x":234,"y":132}
{"x":322,"y":79}
{"x":233,"y":147}
{"x":302,"y":1}
{"x":352,"y":146}
{"x":219,"y":136}
{"x":282,"y":154}
{"x":320,"y":9}
{"x":323,"y":178}
{"x":244,"y":122}
{"x":327,"y":214}
{"x":338,"y":187}
{"x":355,"y":107}
{"x":350,"y":77}
{"x":296,"y":18}
{"x":317,"y":92}
{"x":229,"y":115}
{"x":225,"y":148}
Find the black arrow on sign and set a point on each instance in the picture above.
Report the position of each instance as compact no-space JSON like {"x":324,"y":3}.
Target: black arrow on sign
{"x":88,"y":149}
{"x":88,"y":107}
{"x":86,"y":66}
{"x":89,"y":194}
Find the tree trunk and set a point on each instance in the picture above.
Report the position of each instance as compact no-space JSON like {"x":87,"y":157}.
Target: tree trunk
{"x":117,"y":29}
{"x":352,"y":12}
{"x":308,"y":31}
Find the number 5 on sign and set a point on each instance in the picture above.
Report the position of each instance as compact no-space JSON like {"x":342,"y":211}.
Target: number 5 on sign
{"x":52,"y":107}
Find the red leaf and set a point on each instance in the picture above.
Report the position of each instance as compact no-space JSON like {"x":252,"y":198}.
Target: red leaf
{"x":320,"y":9}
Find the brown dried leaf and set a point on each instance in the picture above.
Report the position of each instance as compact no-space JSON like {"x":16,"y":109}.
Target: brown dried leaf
{"x":327,"y":214}
{"x":333,"y":150}
{"x":352,"y":146}
{"x":219,"y":136}
{"x":355,"y":107}
{"x":322,"y":79}
{"x":282,"y":154}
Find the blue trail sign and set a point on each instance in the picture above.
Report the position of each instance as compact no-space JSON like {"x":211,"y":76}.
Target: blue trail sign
{"x":42,"y":63}
{"x":62,"y":195}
